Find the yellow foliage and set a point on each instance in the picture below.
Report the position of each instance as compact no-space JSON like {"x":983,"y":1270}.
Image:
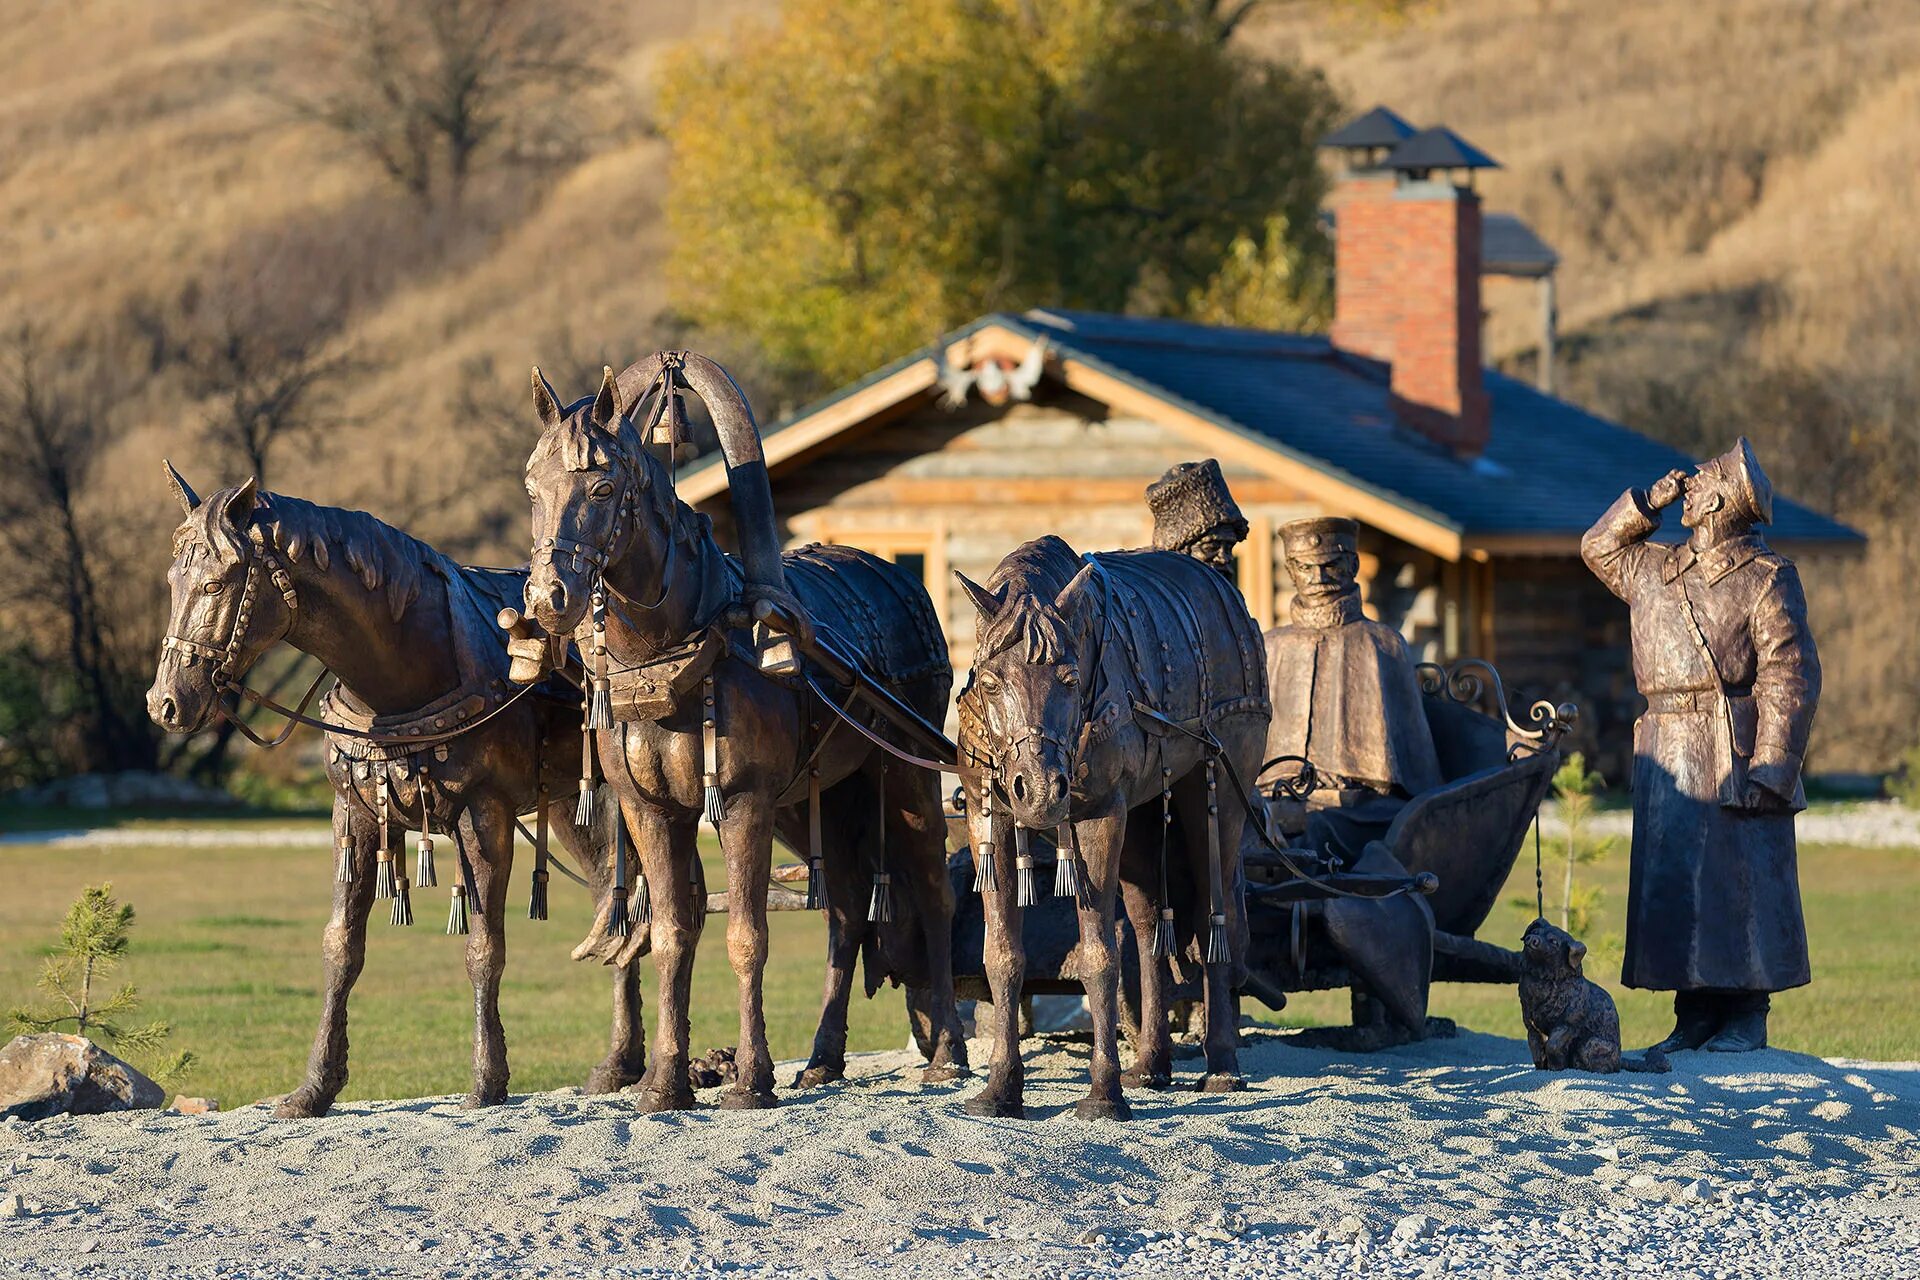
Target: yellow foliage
{"x":859,"y":175}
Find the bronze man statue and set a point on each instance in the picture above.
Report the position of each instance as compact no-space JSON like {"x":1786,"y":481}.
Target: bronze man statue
{"x":1723,"y":656}
{"x":1345,"y":696}
{"x":1193,"y":513}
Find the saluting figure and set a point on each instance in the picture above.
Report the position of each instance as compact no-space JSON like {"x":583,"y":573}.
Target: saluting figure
{"x":1723,"y":656}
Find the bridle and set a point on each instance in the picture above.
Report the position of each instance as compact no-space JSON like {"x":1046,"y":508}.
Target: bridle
{"x":224,"y":657}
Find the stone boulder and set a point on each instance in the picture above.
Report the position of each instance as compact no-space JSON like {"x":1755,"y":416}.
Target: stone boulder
{"x":54,"y":1075}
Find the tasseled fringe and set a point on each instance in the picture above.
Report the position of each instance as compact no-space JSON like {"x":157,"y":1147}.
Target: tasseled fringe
{"x":383,"y":872}
{"x":1066,"y":873}
{"x":984,"y":878}
{"x":816,"y":862}
{"x":457,"y":912}
{"x":1217,"y":950}
{"x":423,"y":872}
{"x":583,"y":810}
{"x":642,"y":902}
{"x":402,"y":903}
{"x":1027,"y":891}
{"x":880,"y":910}
{"x":343,"y":868}
{"x":537,"y":905}
{"x":1163,"y":934}
{"x":618,"y":922}
{"x":710,"y":753}
{"x":600,"y":699}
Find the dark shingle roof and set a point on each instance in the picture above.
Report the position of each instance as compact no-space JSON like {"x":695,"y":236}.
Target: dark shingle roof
{"x":1378,"y":128}
{"x":1549,"y":469}
{"x":1509,"y":247}
{"x":1438,"y":148}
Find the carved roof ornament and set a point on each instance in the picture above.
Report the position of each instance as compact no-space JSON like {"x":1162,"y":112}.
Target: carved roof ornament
{"x":997,"y":379}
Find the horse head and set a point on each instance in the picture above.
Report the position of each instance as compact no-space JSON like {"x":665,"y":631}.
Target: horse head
{"x":222,"y":617}
{"x":1031,"y":665}
{"x":589,"y":478}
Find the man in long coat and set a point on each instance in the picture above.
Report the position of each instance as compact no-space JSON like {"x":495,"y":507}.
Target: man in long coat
{"x":1723,"y":656}
{"x":1345,"y":695}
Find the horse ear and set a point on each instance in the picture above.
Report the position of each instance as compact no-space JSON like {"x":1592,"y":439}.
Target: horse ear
{"x":546,"y":402}
{"x":1576,"y":952}
{"x":241,"y":504}
{"x":987,"y":602}
{"x":1074,"y":591}
{"x":181,"y":489}
{"x":606,"y":405}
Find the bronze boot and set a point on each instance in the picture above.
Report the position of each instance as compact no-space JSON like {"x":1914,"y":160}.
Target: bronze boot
{"x":1695,"y":1019}
{"x":1743,"y":1028}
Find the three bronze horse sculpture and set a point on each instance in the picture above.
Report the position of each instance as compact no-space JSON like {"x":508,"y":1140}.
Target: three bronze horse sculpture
{"x":1118,"y":702}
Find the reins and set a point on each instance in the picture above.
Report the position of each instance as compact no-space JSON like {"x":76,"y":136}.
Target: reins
{"x":299,"y":717}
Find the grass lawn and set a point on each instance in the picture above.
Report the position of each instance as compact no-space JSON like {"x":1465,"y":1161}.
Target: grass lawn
{"x":226,"y":949}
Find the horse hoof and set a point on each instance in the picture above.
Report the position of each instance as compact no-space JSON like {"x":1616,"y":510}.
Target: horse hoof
{"x":738,"y":1099}
{"x":605,"y":1079}
{"x":653,"y":1101}
{"x":1135,"y":1078}
{"x":989,"y":1103}
{"x":483,"y":1098}
{"x":814,"y":1077}
{"x":1221,"y":1082}
{"x":945,"y":1073}
{"x":1098,"y":1108}
{"x":301,"y":1104}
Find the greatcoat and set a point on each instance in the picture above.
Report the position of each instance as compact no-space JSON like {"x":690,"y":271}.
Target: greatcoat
{"x":1723,"y":655}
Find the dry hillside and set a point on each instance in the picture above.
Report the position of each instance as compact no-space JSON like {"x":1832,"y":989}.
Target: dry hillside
{"x":1726,"y":180}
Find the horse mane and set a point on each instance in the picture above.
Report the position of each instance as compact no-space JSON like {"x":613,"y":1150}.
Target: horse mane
{"x":1031,"y":575}
{"x":384,"y":559}
{"x":584,"y":445}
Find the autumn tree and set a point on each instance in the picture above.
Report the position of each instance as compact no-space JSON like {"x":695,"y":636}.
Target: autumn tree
{"x":860,"y":175}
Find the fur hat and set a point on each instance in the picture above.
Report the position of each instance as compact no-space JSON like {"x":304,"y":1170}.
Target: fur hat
{"x":1321,"y":534}
{"x":1190,"y":502}
{"x":1749,"y":492}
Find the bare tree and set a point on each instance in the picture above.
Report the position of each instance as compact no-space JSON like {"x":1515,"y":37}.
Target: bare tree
{"x":429,"y":88}
{"x":53,"y":434}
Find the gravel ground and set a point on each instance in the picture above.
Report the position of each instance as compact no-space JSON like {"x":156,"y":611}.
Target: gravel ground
{"x":1451,"y":1157}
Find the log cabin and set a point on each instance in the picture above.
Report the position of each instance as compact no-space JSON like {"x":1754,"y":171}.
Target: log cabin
{"x":1472,"y":488}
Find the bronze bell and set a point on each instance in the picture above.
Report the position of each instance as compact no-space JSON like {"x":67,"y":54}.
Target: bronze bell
{"x":670,"y":419}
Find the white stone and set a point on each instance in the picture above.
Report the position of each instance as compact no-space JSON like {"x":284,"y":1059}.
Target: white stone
{"x":1415,"y":1226}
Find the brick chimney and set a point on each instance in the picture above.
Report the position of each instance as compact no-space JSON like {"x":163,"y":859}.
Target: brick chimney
{"x":1407,"y":272}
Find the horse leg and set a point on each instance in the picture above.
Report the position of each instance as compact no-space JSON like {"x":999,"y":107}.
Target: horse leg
{"x":1100,"y":841}
{"x":343,"y":949}
{"x":485,"y":835}
{"x":746,"y":838}
{"x":842,"y":809}
{"x":1153,"y":1058}
{"x":916,"y":829}
{"x":669,"y":851}
{"x":1006,"y":964}
{"x":626,"y":1052}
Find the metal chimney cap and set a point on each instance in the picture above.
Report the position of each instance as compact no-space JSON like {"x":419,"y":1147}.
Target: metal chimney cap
{"x":1379,"y":127}
{"x":1437,"y":148}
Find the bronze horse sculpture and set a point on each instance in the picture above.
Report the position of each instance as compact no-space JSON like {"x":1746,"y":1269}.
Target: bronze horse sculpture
{"x":427,"y":736}
{"x":1109,"y":696}
{"x":694,"y":721}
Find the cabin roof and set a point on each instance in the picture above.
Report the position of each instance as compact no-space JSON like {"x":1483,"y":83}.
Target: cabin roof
{"x":1299,"y":408}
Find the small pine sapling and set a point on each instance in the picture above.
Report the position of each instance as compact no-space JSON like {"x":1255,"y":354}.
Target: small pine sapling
{"x":1576,"y":788}
{"x":93,"y":939}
